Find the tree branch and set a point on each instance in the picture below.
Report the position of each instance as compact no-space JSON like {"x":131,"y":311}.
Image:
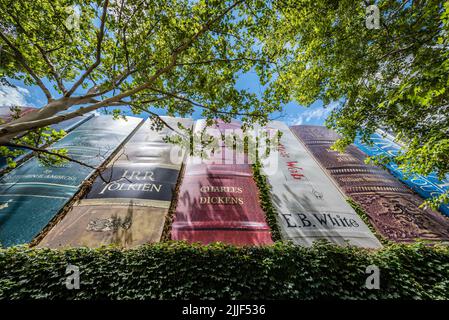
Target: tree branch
{"x":8,"y":131}
{"x":206,"y":27}
{"x":223,"y":60}
{"x":159,"y":118}
{"x":93,"y":91}
{"x":172,"y":95}
{"x":44,"y":55}
{"x":98,"y":52}
{"x":67,"y":32}
{"x":45,"y":151}
{"x":21,"y":59}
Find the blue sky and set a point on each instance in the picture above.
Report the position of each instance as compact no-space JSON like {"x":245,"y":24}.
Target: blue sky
{"x":293,"y":113}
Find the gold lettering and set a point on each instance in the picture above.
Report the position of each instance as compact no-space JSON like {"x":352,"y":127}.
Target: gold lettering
{"x":221,"y":200}
{"x":221,"y":189}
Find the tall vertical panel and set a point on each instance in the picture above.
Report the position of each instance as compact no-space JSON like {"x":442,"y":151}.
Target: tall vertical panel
{"x":218,"y":199}
{"x":426,"y":186}
{"x":309,"y":205}
{"x":70,"y":124}
{"x":33,"y":193}
{"x":393,"y":209}
{"x":67,"y":125}
{"x":129,"y":205}
{"x":6,"y":116}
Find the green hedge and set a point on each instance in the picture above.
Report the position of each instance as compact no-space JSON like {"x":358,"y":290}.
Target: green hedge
{"x":175,"y":270}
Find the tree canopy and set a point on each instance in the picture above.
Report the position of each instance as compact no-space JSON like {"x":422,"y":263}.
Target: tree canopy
{"x":393,"y":77}
{"x":154,"y":54}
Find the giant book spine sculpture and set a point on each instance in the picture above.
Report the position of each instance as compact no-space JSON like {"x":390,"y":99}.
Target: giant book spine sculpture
{"x":70,"y":124}
{"x":309,"y":205}
{"x":67,"y":126}
{"x":426,"y":186}
{"x":129,"y":203}
{"x":33,"y":193}
{"x":392,"y":208}
{"x":7,"y":114}
{"x":218,"y":198}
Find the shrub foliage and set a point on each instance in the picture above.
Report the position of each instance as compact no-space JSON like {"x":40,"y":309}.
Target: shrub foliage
{"x":176,"y":270}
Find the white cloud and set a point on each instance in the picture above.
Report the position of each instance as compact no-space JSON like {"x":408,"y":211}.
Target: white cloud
{"x":13,"y":96}
{"x":311,"y":115}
